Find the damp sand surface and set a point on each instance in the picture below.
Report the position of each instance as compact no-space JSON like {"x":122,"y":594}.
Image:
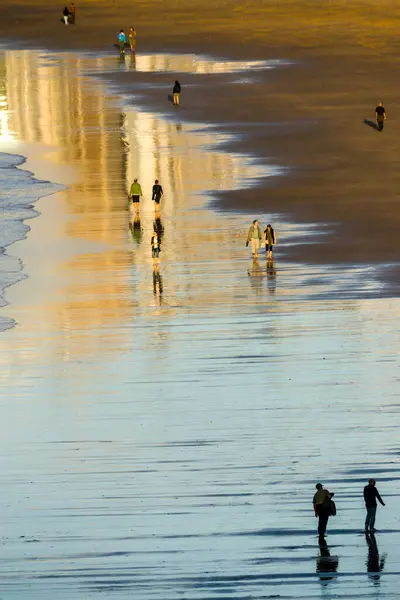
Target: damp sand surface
{"x":162,"y":430}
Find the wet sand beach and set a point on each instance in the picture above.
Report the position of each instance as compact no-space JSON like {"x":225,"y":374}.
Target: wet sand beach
{"x":162,"y":431}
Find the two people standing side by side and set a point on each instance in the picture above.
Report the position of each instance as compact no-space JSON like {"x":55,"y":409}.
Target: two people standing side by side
{"x":371,"y":494}
{"x":380,"y":114}
{"x":322,"y":503}
{"x":69,"y":14}
{"x":176,"y":92}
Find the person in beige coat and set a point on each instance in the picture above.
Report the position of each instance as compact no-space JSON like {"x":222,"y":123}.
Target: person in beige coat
{"x":254,"y":237}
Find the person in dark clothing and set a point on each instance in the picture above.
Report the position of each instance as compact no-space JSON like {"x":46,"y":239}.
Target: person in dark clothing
{"x":370,"y":496}
{"x":176,"y":92}
{"x":66,"y":15}
{"x":380,"y":116}
{"x":322,"y":508}
{"x":156,"y":195}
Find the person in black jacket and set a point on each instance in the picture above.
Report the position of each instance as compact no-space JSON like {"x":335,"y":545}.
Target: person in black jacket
{"x":380,"y":116}
{"x":370,"y":496}
{"x":176,"y":92}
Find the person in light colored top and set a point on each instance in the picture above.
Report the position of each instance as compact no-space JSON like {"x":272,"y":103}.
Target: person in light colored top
{"x":135,"y":193}
{"x":254,"y":236}
{"x":132,"y":39}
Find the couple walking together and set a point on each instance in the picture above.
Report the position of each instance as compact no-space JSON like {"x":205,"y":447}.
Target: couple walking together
{"x":255,"y":236}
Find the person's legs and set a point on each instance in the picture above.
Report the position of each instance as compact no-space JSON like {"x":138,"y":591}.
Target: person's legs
{"x":255,"y":244}
{"x":66,"y":19}
{"x":122,"y":47}
{"x":380,"y":123}
{"x":177,"y":99}
{"x":322,"y":521}
{"x":372,"y":517}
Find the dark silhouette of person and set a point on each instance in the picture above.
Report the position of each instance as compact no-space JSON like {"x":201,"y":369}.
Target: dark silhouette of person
{"x":375,"y":563}
{"x":156,"y":195}
{"x":380,"y":114}
{"x":326,"y":564}
{"x":322,"y":508}
{"x":371,"y":494}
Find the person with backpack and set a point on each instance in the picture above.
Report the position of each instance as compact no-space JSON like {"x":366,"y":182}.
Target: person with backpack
{"x":270,"y":241}
{"x":323,"y":508}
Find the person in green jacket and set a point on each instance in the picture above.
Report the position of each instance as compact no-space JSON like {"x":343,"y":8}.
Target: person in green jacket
{"x":254,"y":236}
{"x":135,"y":193}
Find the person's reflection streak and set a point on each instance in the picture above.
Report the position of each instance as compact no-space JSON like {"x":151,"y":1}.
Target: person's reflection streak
{"x":375,"y":563}
{"x":256,"y":276}
{"x":271,"y":276}
{"x":325,"y":563}
{"x":159,"y":228}
{"x":136,"y":229}
{"x":157,"y":285}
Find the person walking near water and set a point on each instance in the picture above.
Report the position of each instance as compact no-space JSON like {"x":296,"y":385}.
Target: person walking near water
{"x":66,"y":15}
{"x":155,"y":248}
{"x":122,"y":42}
{"x":322,"y":508}
{"x":135,"y":193}
{"x":270,"y":241}
{"x":156,"y":195}
{"x":370,"y":496}
{"x":380,"y":114}
{"x":72,"y":13}
{"x":176,"y":91}
{"x":254,"y":236}
{"x":132,"y":39}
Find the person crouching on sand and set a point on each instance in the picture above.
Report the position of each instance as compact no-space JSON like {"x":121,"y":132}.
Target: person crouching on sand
{"x":122,"y":42}
{"x":176,"y":91}
{"x":155,"y":248}
{"x":254,"y":236}
{"x":270,"y":241}
{"x":66,"y":15}
{"x":132,"y":39}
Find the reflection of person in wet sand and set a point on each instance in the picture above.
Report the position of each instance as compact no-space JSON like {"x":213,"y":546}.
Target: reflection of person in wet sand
{"x":326,"y":564}
{"x":159,"y":228}
{"x":375,"y":563}
{"x":271,"y":276}
{"x":254,"y":236}
{"x":157,"y":284}
{"x":136,"y":229}
{"x":269,"y":240}
{"x":256,"y":275}
{"x":155,"y":248}
{"x":156,"y":195}
{"x":135,"y":194}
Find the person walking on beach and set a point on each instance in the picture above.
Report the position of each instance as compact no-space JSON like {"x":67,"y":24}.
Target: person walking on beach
{"x":254,"y":236}
{"x":72,"y":13}
{"x":176,"y":91}
{"x":122,"y":42}
{"x":370,"y":496}
{"x":66,"y":15}
{"x":380,"y":114}
{"x":135,"y":193}
{"x":156,"y":195}
{"x":155,"y":248}
{"x":132,"y":39}
{"x":270,"y":241}
{"x":322,"y":508}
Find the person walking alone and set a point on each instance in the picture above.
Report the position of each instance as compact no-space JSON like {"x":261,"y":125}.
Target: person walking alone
{"x":322,"y":508}
{"x":270,"y":241}
{"x":122,"y":42}
{"x":132,"y":39}
{"x":66,"y":15}
{"x":254,"y":236}
{"x":176,"y":92}
{"x":370,"y":496}
{"x":380,"y":114}
{"x":135,"y":193}
{"x":156,"y":195}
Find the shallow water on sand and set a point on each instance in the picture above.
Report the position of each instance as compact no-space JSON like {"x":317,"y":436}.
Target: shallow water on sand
{"x":162,"y":430}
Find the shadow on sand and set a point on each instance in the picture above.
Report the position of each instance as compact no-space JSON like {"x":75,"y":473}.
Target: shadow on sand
{"x":371,"y":124}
